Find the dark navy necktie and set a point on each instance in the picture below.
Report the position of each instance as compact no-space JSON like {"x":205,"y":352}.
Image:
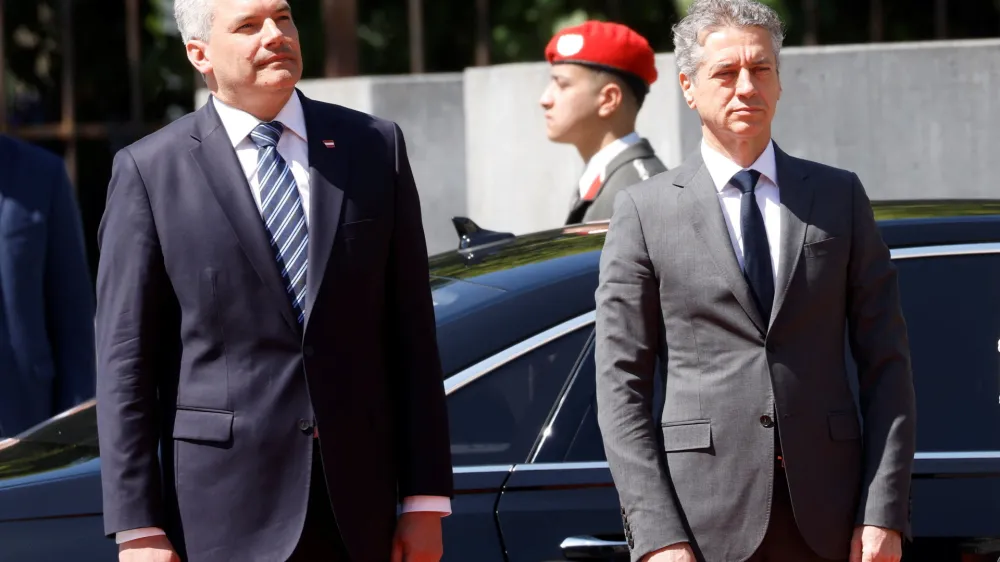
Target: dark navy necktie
{"x":756,"y":251}
{"x":282,"y":212}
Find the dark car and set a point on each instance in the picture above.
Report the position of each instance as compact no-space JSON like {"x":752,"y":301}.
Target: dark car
{"x":515,"y":321}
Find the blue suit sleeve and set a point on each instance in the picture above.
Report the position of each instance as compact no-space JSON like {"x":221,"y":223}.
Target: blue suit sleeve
{"x":69,"y":297}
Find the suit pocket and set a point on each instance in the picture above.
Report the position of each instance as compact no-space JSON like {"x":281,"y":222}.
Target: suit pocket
{"x":687,"y":435}
{"x":823,"y":247}
{"x":202,"y":424}
{"x":844,"y":426}
{"x":353,"y":229}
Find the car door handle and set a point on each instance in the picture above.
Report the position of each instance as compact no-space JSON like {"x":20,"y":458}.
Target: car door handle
{"x":585,"y":547}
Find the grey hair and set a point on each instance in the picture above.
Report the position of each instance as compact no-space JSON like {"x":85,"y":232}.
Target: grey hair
{"x":194,"y":18}
{"x":708,"y":15}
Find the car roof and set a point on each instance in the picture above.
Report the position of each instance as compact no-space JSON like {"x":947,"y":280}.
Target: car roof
{"x":517,"y":262}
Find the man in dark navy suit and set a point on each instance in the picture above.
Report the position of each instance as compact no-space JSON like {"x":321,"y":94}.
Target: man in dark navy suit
{"x":269,"y":385}
{"x":46,"y":294}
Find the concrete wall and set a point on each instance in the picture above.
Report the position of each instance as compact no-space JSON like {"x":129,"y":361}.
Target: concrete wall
{"x":913,"y":120}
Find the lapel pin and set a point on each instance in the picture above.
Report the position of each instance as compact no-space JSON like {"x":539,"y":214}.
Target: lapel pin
{"x":328,"y":143}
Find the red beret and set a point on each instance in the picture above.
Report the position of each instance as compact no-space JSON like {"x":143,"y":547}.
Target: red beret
{"x":607,"y":45}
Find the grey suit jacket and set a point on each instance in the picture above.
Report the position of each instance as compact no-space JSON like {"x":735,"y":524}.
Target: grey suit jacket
{"x":635,"y":164}
{"x":671,"y":290}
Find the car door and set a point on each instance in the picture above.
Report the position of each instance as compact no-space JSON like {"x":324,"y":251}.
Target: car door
{"x":497,"y":410}
{"x":951,"y":303}
{"x":562,"y":504}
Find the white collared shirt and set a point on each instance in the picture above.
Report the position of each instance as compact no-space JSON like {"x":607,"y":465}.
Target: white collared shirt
{"x":597,"y":167}
{"x":722,"y":169}
{"x":292,"y":146}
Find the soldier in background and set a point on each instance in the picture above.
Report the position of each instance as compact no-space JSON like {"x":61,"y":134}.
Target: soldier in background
{"x":601,"y":73}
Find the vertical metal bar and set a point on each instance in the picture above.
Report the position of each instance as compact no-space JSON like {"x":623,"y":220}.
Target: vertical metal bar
{"x":875,"y":32}
{"x":133,"y":45}
{"x":68,"y":92}
{"x":3,"y":73}
{"x":811,"y":36}
{"x":340,"y":37}
{"x":416,"y":24}
{"x":941,"y":19}
{"x":483,"y":35}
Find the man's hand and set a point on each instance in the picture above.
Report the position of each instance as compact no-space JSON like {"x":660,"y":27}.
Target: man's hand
{"x":680,"y":552}
{"x":418,"y":537}
{"x":875,"y":544}
{"x":148,"y":549}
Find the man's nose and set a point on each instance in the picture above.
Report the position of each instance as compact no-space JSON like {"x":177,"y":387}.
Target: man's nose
{"x":272,"y":33}
{"x":546,"y":99}
{"x":744,"y":83}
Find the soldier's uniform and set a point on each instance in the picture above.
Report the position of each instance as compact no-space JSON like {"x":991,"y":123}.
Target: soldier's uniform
{"x":616,"y":49}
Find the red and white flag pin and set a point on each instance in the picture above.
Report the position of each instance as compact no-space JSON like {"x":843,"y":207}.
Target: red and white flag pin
{"x":328,"y":143}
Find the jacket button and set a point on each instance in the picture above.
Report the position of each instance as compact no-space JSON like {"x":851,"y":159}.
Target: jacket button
{"x":305,"y":425}
{"x":766,"y":421}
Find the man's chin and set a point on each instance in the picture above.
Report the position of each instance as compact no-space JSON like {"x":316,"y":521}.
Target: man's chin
{"x":556,"y":137}
{"x":278,"y":79}
{"x":748,"y":129}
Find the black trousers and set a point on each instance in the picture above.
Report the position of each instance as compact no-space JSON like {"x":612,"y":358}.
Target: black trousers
{"x":783,"y":542}
{"x":320,"y":540}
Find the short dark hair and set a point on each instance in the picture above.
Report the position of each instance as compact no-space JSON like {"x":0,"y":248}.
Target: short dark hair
{"x":632,"y":83}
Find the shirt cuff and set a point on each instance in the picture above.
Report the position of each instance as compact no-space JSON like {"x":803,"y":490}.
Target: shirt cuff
{"x":438,"y":504}
{"x":135,"y":534}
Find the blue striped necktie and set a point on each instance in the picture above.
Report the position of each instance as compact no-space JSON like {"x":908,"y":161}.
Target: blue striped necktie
{"x":282,"y":212}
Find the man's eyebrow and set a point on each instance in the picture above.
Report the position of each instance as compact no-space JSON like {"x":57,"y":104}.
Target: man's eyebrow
{"x":721,"y":65}
{"x":729,"y":63}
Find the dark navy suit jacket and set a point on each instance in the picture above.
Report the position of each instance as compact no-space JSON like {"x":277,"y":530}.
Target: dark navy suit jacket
{"x":46,"y":294}
{"x":203,"y":361}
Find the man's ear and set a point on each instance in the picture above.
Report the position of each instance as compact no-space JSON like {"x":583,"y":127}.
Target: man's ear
{"x":687,"y":88}
{"x":197,"y":53}
{"x":611,"y":98}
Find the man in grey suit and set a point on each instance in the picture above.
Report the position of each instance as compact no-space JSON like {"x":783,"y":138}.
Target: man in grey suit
{"x":734,"y":278}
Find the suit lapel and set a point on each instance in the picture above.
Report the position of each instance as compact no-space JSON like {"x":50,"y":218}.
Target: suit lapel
{"x":217,"y":160}
{"x":329,"y":174}
{"x":700,"y":201}
{"x":641,"y":149}
{"x":796,"y":206}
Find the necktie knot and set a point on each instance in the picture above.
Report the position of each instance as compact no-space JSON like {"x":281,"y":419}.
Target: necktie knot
{"x":267,"y":134}
{"x":746,"y":180}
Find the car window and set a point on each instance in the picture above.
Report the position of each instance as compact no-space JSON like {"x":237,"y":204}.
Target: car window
{"x":66,"y":440}
{"x":496,"y":418}
{"x":952,"y":309}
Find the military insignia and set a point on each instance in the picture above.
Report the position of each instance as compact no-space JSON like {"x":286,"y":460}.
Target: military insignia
{"x":569,"y":44}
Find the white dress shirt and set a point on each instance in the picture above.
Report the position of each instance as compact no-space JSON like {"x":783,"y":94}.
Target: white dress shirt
{"x":597,"y":167}
{"x":722,"y":169}
{"x":294,"y":148}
